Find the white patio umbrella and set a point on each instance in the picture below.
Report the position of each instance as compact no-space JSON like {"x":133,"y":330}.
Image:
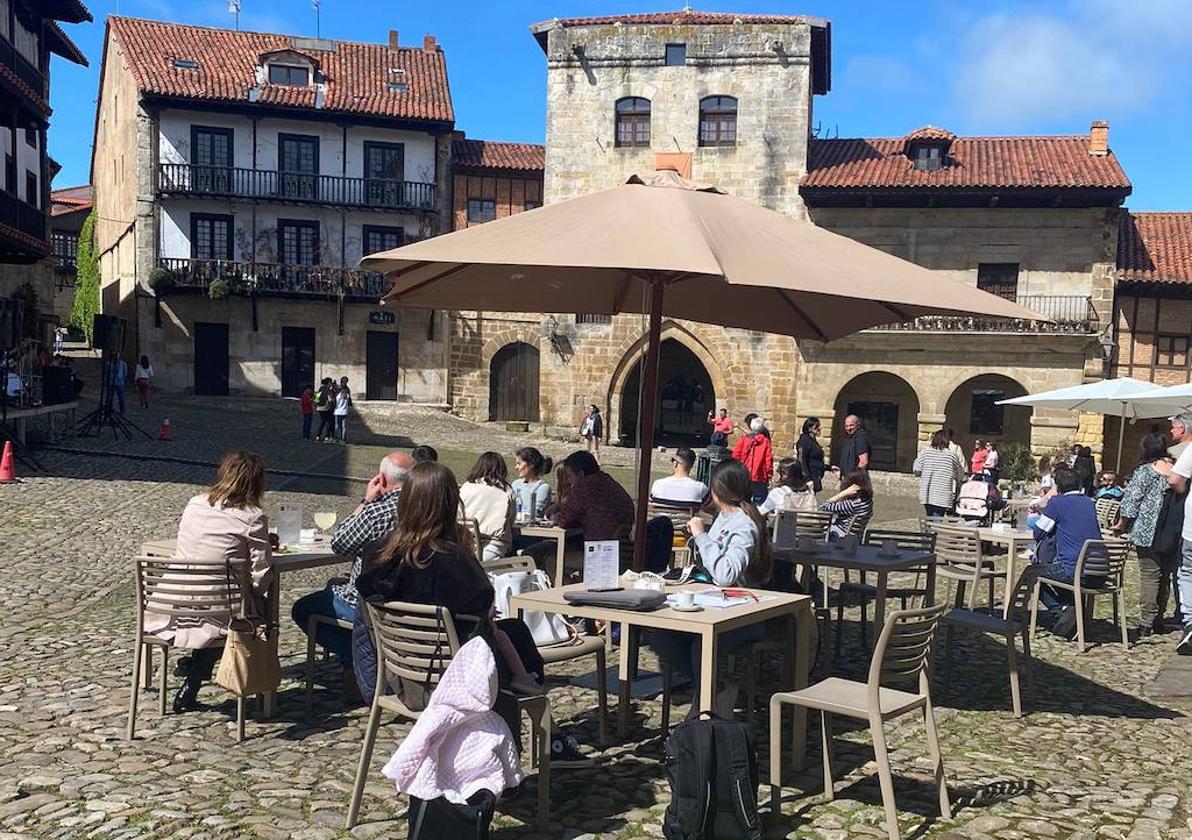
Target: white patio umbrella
{"x":1120,"y":397}
{"x":1165,"y":401}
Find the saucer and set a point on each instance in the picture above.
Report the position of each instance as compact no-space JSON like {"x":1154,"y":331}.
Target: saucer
{"x":692,"y":608}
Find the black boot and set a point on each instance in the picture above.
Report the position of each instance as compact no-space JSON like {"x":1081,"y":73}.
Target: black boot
{"x":187,"y":698}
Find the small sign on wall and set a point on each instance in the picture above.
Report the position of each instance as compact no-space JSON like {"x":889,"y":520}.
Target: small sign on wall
{"x":379,"y":317}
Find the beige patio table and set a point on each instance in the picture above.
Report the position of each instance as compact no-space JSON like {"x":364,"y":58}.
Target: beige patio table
{"x":709,"y":623}
{"x":309,"y":557}
{"x":1013,"y":539}
{"x":550,"y":531}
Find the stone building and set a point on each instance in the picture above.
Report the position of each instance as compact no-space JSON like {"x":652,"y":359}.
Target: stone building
{"x":69,"y":208}
{"x":728,"y":99}
{"x":1152,"y":311}
{"x":239,"y":179}
{"x":29,"y":35}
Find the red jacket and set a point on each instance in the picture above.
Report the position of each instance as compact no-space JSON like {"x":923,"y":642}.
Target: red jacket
{"x":755,"y":452}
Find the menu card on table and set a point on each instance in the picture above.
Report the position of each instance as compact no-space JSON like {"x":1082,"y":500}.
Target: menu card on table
{"x":602,"y":564}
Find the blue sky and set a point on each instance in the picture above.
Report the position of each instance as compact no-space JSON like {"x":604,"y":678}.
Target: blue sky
{"x":976,"y":68}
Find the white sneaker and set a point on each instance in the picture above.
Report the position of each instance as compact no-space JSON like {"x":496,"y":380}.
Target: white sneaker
{"x":1184,"y":648}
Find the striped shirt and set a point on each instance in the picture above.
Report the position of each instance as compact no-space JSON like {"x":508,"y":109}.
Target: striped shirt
{"x":848,"y":510}
{"x":940,"y":475}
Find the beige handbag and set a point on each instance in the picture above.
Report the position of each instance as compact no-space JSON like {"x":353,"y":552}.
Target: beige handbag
{"x":249,"y":663}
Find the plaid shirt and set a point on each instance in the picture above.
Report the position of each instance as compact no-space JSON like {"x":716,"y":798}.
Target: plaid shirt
{"x":354,"y":533}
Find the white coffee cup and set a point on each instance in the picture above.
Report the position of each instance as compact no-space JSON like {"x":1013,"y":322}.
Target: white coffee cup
{"x":685,"y":598}
{"x":306,"y":536}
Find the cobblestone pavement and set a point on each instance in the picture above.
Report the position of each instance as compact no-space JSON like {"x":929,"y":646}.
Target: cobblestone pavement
{"x":1094,"y":759}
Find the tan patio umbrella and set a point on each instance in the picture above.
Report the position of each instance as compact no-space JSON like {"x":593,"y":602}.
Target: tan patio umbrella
{"x":665,"y":246}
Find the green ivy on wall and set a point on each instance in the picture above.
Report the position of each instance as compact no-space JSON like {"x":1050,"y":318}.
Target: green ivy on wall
{"x":86,"y":299}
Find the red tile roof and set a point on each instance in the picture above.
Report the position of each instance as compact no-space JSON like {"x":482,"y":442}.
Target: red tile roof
{"x":16,"y":82}
{"x":491,"y":154}
{"x":686,"y":17}
{"x":1155,"y":248}
{"x":1058,"y":162}
{"x":356,"y":75}
{"x":70,"y":200}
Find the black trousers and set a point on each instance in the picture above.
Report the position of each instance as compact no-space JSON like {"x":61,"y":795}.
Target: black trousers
{"x":202,"y":661}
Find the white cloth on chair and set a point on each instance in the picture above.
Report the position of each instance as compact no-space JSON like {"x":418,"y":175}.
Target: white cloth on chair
{"x":458,"y":745}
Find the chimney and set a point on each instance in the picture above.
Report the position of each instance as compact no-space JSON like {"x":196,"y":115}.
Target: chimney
{"x":1099,"y":138}
{"x":393,"y":39}
{"x":428,"y":43}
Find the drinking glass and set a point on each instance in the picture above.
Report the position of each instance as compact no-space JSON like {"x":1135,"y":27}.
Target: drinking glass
{"x":324,"y":519}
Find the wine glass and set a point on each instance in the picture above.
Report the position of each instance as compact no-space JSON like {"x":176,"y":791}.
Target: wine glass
{"x":324,"y":519}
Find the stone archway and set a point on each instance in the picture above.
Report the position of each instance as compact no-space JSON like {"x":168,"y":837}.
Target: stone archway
{"x":889,"y":410}
{"x":972,"y":411}
{"x":690,"y":382}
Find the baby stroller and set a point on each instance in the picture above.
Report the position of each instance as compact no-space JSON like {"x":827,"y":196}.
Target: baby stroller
{"x":979,"y":499}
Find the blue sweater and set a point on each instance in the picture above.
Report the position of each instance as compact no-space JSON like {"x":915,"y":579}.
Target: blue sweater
{"x":1072,"y":517}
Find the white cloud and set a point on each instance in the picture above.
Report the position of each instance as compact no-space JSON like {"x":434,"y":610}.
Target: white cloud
{"x":1098,"y":58}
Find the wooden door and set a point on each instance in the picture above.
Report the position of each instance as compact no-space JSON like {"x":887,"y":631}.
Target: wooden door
{"x":513,"y":383}
{"x":297,"y":360}
{"x":380,"y":381}
{"x":211,"y":359}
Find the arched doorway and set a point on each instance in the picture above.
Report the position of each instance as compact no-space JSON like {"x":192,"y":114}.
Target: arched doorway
{"x":513,"y":383}
{"x":889,"y":411}
{"x":685,"y":396}
{"x":973,"y":412}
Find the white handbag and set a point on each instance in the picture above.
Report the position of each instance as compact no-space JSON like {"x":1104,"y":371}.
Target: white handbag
{"x":546,"y":628}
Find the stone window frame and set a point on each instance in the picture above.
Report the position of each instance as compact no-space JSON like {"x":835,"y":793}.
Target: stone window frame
{"x":718,"y":120}
{"x":994,"y":278}
{"x":675,"y":55}
{"x":632,"y":123}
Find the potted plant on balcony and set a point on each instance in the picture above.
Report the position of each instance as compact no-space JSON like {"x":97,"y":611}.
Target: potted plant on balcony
{"x":161,"y":279}
{"x":219,"y":288}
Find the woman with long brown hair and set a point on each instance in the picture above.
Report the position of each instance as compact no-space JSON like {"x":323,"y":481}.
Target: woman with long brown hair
{"x":735,"y":551}
{"x":223,"y":524}
{"x":487,"y":498}
{"x":430,"y":559}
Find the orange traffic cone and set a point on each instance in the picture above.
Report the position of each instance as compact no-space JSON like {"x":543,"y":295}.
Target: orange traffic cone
{"x":7,"y":474}
{"x":167,"y":431}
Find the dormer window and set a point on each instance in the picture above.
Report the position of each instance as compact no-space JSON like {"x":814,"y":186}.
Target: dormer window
{"x":287,"y":74}
{"x":927,"y":148}
{"x":928,"y":158}
{"x":398,"y":81}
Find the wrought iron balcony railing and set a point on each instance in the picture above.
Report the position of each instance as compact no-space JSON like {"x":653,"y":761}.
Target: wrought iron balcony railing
{"x":1069,"y":314}
{"x":269,"y":185}
{"x":269,"y":279}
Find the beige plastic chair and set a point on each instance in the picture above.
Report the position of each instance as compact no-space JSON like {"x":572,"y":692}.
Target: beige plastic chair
{"x":1097,"y":558}
{"x":1107,"y":514}
{"x":581,"y":647}
{"x":993,"y":621}
{"x":416,"y":642}
{"x":959,"y":558}
{"x":903,"y":585}
{"x":191,"y":591}
{"x":902,"y":654}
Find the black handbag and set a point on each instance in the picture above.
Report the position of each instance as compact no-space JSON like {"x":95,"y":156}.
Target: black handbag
{"x":438,"y":819}
{"x":1170,"y":524}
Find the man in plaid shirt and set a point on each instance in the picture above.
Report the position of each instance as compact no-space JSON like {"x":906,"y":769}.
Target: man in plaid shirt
{"x":372,"y":519}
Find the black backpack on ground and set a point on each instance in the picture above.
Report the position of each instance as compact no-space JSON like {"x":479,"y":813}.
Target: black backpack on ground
{"x":438,"y":819}
{"x":712,"y":768}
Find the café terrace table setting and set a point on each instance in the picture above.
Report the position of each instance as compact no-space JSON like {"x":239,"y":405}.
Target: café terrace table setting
{"x":848,"y":555}
{"x":545,"y":529}
{"x":706,"y":618}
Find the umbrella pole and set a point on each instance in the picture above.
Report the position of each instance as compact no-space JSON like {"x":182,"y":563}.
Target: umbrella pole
{"x":646,"y":413}
{"x":1121,"y":434}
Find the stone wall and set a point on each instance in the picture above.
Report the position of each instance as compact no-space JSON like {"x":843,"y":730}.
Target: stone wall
{"x":254,"y":356}
{"x":773,"y":91}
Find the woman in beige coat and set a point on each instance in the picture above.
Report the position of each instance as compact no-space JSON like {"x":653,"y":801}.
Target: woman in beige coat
{"x":224,"y":524}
